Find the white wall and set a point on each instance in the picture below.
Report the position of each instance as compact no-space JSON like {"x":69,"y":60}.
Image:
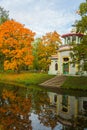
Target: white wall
{"x":62,"y":54}
{"x":52,"y":67}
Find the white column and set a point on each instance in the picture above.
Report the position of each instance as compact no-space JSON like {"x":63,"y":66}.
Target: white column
{"x":71,"y":39}
{"x":77,"y":40}
{"x":66,"y":40}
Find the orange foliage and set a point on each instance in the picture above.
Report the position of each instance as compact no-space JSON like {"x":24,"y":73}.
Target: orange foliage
{"x":52,"y":37}
{"x":47,"y":47}
{"x":15,"y":44}
{"x":14,"y":111}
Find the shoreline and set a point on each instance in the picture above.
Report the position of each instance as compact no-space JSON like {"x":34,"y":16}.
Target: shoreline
{"x":64,"y":82}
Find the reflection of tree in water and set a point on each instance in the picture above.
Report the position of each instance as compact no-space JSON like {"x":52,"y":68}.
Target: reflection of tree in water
{"x":48,"y":118}
{"x":42,"y":107}
{"x":81,"y":122}
{"x":14,"y":111}
{"x":39,"y":99}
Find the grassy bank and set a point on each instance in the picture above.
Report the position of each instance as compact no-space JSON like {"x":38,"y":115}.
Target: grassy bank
{"x":73,"y":82}
{"x":24,"y":78}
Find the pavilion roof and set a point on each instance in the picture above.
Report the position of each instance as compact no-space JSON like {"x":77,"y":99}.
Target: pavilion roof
{"x":72,"y":34}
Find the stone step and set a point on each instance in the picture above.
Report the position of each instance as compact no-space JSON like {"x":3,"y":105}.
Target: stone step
{"x":57,"y":81}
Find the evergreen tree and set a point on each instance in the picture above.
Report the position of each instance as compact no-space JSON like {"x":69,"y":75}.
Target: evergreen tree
{"x":4,"y":15}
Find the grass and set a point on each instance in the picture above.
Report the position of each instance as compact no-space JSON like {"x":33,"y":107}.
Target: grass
{"x":24,"y":78}
{"x":74,"y":82}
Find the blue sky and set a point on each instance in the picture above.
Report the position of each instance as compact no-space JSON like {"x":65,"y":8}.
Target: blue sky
{"x":42,"y":16}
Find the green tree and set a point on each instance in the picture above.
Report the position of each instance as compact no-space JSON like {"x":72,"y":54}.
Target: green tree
{"x":4,"y":15}
{"x":79,"y":54}
{"x":35,"y":45}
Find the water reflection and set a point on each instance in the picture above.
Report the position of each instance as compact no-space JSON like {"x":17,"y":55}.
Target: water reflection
{"x":14,"y":111}
{"x":38,"y":109}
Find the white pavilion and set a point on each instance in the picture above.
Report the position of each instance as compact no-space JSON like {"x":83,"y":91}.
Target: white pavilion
{"x":60,"y":63}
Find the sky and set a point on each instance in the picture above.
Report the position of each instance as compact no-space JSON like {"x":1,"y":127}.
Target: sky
{"x":43,"y":16}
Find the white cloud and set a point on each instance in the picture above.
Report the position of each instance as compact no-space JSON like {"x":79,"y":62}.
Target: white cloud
{"x":43,"y":16}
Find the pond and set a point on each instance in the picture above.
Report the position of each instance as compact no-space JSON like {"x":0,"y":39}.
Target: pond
{"x":37,"y":108}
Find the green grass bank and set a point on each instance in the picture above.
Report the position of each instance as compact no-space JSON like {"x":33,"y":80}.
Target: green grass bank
{"x":75,"y":82}
{"x":24,"y":78}
{"x":27,"y":78}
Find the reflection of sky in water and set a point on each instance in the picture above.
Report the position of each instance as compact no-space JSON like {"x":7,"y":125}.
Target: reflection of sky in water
{"x":36,"y":125}
{"x":45,"y":111}
{"x":58,"y":127}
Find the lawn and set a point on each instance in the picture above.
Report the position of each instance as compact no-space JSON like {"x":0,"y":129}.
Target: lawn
{"x":75,"y":82}
{"x":24,"y":78}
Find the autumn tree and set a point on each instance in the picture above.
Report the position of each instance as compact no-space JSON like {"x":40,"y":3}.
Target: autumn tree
{"x":79,"y":55}
{"x":15,"y":45}
{"x":48,"y":46}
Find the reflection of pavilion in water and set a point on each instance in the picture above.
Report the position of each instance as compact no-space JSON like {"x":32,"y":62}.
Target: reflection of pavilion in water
{"x":69,"y":108}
